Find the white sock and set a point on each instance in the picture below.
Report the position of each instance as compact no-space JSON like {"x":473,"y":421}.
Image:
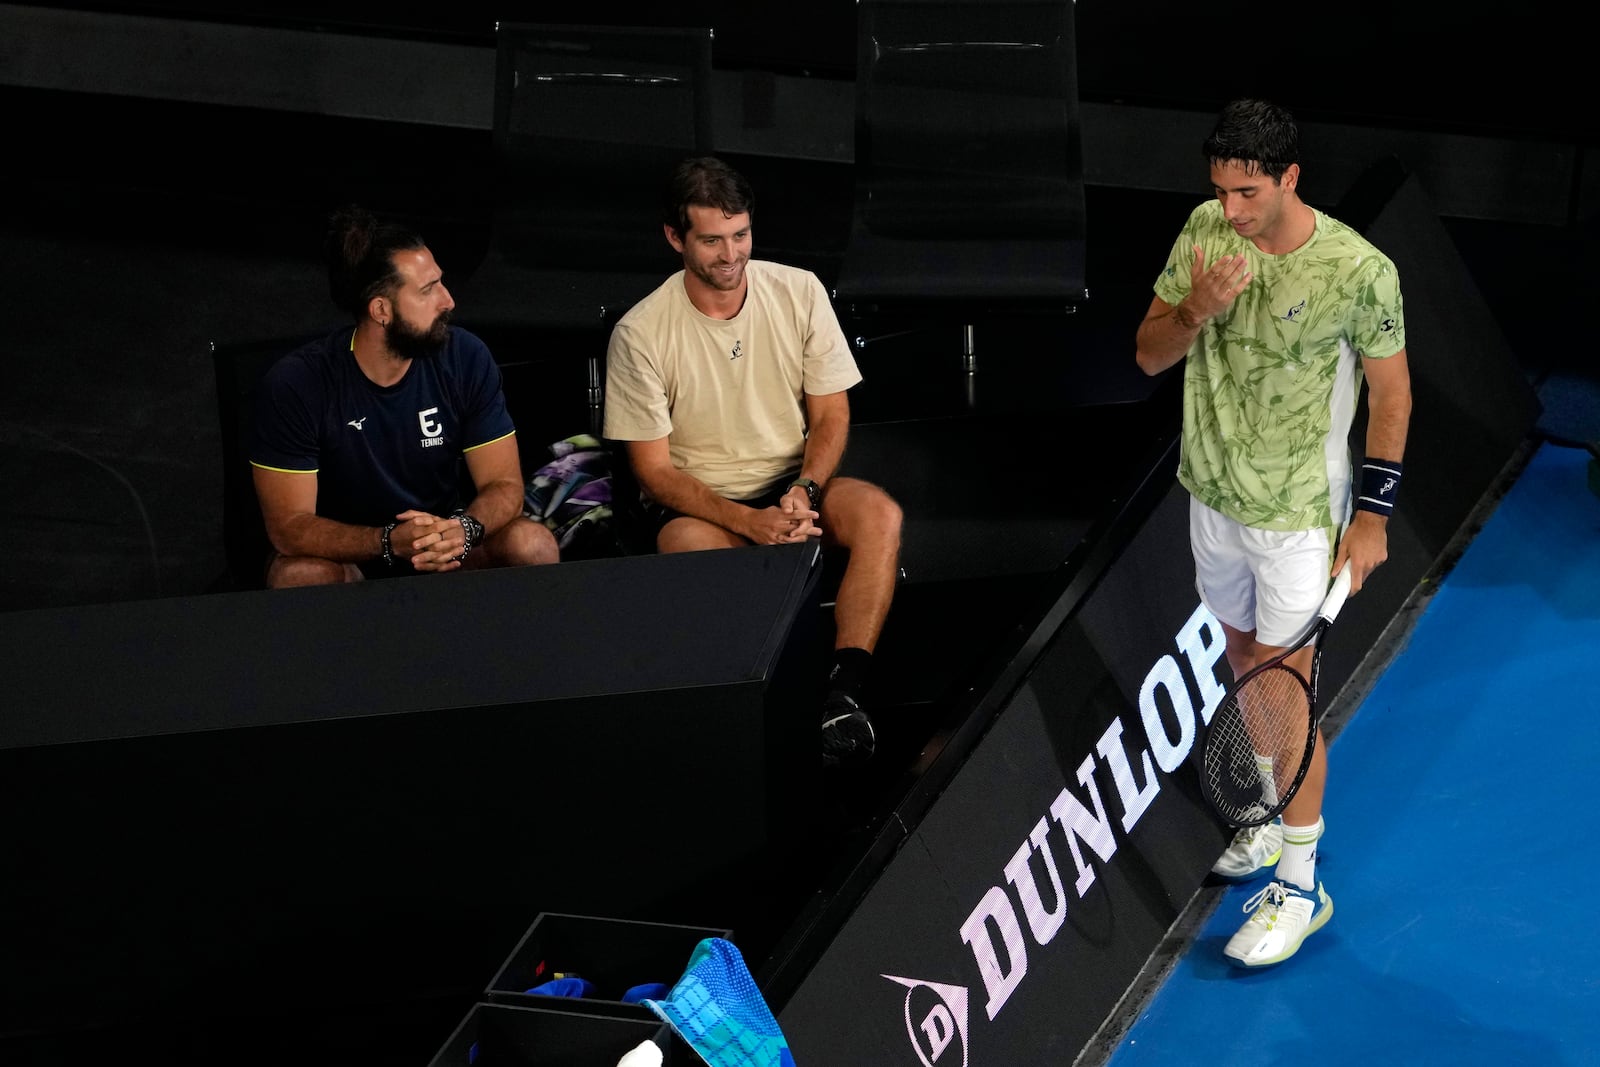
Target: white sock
{"x":1269,"y":784}
{"x":1299,"y":862}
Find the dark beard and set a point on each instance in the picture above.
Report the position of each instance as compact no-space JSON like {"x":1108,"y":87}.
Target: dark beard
{"x":712,"y":281}
{"x":406,"y":342}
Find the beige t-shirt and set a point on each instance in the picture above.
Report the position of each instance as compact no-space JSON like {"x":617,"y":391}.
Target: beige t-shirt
{"x":729,"y":394}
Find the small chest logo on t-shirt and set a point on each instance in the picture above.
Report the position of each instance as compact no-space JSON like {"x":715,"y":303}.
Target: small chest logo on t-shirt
{"x":1294,"y":313}
{"x":432,"y":430}
{"x":737,"y":350}
{"x":357,"y":422}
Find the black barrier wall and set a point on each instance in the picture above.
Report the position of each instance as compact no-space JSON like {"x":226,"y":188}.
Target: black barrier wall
{"x":252,"y":804}
{"x":1471,"y":404}
{"x":1016,"y":913}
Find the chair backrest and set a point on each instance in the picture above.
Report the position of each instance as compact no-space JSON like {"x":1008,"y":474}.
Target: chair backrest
{"x":588,"y":122}
{"x":969,"y":169}
{"x":239,"y":367}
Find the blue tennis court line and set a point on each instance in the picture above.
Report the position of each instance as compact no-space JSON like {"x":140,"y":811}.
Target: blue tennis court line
{"x":1457,"y":851}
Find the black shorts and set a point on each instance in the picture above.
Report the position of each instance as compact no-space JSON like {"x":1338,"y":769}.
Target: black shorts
{"x":657,"y":516}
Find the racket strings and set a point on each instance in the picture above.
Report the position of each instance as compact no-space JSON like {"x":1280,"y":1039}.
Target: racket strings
{"x":1257,"y":744}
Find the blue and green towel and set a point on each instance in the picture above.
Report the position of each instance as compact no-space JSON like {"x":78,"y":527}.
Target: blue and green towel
{"x":717,"y":1008}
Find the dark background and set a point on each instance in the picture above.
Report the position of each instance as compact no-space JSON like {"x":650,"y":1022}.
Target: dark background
{"x":151,"y":212}
{"x":1475,"y":66}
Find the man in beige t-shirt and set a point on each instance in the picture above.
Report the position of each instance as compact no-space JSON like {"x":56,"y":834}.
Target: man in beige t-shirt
{"x":728,"y":384}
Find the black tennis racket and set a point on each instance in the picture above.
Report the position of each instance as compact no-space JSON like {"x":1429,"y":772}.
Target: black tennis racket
{"x":1259,"y":745}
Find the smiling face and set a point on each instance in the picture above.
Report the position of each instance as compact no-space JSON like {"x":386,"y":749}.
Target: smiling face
{"x":715,"y":251}
{"x":1254,"y":204}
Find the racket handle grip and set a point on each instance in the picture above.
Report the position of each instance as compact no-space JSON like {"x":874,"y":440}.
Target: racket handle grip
{"x":1337,"y":594}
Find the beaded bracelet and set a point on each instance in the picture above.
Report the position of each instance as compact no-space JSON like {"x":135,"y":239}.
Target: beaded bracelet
{"x":471,"y":532}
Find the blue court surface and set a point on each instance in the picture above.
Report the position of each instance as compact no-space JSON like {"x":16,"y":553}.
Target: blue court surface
{"x":1459,"y":851}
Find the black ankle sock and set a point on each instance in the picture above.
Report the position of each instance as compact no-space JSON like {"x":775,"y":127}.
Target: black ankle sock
{"x":849,"y":672}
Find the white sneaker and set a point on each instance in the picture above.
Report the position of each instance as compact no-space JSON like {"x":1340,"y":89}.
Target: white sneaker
{"x":1282,"y":917}
{"x":1253,"y":850}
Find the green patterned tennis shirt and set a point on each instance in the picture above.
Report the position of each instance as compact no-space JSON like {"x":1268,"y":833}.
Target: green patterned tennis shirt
{"x":1271,"y":385}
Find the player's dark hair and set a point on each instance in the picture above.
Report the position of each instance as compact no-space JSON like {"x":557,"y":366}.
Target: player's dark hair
{"x":705,"y":181}
{"x":360,"y":250}
{"x":1261,"y":136}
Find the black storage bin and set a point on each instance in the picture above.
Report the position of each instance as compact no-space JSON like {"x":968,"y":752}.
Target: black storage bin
{"x":506,"y":1035}
{"x":613,"y":954}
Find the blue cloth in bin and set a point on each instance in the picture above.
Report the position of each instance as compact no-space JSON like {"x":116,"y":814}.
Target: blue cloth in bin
{"x":646,"y":990}
{"x":564,"y":987}
{"x":717,"y":1008}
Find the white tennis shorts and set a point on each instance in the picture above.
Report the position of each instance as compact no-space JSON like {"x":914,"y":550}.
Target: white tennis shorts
{"x":1269,"y":581}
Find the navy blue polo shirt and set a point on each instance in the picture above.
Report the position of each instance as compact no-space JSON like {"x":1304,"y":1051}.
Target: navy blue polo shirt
{"x":379,"y":450}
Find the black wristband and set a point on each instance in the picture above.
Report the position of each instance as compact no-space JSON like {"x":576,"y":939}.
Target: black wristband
{"x":1379,"y":486}
{"x":388,"y":552}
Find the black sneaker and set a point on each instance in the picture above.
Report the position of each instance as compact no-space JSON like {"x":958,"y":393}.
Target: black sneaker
{"x":847,"y":735}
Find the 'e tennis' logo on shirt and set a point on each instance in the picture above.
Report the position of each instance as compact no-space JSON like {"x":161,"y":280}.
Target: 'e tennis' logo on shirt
{"x":432,"y":431}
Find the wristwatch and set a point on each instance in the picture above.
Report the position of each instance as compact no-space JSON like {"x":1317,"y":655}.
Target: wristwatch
{"x":813,"y":491}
